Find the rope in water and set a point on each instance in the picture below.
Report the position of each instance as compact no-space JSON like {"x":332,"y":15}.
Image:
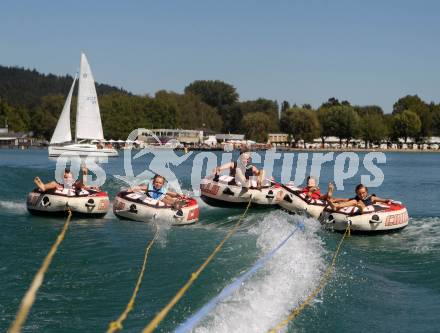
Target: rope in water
{"x":29,"y":298}
{"x":163,"y":313}
{"x":295,"y":312}
{"x":116,"y":325}
{"x":191,"y":322}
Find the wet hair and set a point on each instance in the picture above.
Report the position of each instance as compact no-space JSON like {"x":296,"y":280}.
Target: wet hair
{"x":156,"y":176}
{"x":244,"y":149}
{"x":358,"y":187}
{"x":67,"y":170}
{"x":310,"y":179}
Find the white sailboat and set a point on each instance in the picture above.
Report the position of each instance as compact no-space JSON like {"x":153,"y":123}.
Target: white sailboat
{"x":88,"y":120}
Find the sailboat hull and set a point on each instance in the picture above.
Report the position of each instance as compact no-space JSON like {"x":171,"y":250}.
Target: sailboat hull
{"x":81,"y":150}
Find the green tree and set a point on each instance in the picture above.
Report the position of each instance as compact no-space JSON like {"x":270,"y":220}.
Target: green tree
{"x":221,"y":96}
{"x":328,"y":123}
{"x":44,"y":118}
{"x":435,"y":111}
{"x":256,"y":126}
{"x":416,"y":104}
{"x":123,"y":113}
{"x":373,"y":129}
{"x":266,"y":106}
{"x":388,"y":120}
{"x":346,"y":121}
{"x":368,"y":110}
{"x":215,"y":93}
{"x":285,"y":105}
{"x":406,"y":125}
{"x":17,"y":118}
{"x":300,"y":124}
{"x":332,"y":101}
{"x":191,"y":111}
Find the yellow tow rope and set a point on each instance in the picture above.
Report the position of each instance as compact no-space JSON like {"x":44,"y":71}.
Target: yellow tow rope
{"x":295,"y":312}
{"x":29,"y":298}
{"x":117,"y":324}
{"x":162,"y":314}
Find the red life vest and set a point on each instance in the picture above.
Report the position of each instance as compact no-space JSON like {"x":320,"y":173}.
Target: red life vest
{"x":314,"y":195}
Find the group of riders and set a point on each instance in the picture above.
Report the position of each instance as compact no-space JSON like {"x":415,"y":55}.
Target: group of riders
{"x":155,"y":189}
{"x":361,"y":199}
{"x":243,"y":174}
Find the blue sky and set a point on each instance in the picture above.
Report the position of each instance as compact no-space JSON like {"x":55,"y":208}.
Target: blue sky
{"x":368,"y":52}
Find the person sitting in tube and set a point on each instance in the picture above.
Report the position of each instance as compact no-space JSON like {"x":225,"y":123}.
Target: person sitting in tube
{"x":67,"y":183}
{"x":242,"y":170}
{"x":312,"y":191}
{"x":157,"y":190}
{"x":361,"y":200}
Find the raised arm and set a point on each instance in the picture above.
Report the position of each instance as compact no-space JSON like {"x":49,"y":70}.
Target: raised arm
{"x":223,"y":167}
{"x":85,"y":172}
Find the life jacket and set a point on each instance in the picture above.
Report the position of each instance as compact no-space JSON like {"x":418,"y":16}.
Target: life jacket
{"x":367,"y":201}
{"x":154,"y":193}
{"x":314,"y":195}
{"x":248,"y":172}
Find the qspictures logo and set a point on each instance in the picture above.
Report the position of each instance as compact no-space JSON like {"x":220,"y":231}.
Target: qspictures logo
{"x":164,"y":157}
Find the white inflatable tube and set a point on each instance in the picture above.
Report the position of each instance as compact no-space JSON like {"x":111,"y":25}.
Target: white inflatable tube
{"x":223,"y":192}
{"x":87,"y":203}
{"x":139,"y":207}
{"x":376,"y":218}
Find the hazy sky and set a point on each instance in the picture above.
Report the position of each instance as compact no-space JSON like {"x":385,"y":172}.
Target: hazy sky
{"x":368,"y":52}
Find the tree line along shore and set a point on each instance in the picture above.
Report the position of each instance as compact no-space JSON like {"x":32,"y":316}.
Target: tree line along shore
{"x":32,"y":102}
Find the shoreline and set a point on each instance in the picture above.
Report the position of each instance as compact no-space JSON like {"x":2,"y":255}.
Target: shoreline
{"x":282,"y":150}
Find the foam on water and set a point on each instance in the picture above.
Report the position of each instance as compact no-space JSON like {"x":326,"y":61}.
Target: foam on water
{"x":13,"y":206}
{"x":285,"y":281}
{"x":423,"y":235}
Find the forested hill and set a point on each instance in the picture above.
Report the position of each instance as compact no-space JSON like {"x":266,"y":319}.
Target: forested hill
{"x":22,"y":87}
{"x":31,"y":101}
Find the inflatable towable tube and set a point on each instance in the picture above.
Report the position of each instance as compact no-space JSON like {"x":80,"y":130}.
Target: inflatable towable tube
{"x":87,"y":203}
{"x":376,"y":218}
{"x":138,"y":206}
{"x":222,"y":191}
{"x":295,"y":201}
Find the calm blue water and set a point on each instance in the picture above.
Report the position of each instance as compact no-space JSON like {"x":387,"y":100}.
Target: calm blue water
{"x":387,"y":283}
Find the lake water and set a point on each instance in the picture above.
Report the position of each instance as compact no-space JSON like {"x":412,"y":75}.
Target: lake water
{"x":383,"y":283}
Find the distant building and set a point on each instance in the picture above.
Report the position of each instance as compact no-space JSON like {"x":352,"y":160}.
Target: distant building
{"x":14,"y":139}
{"x":211,"y":141}
{"x":278,"y":138}
{"x":183,"y":136}
{"x":229,"y":137}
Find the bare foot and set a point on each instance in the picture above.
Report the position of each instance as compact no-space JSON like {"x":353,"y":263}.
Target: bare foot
{"x":279,"y":196}
{"x":360,"y":207}
{"x":331,"y":188}
{"x":39,"y":183}
{"x":332,"y":205}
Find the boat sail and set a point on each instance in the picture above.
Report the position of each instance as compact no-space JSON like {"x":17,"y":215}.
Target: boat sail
{"x":62,"y":131}
{"x":88,"y":120}
{"x":88,"y":117}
